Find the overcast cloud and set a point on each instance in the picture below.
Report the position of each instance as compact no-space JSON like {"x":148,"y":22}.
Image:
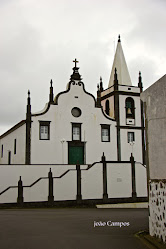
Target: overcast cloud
{"x":40,"y":39}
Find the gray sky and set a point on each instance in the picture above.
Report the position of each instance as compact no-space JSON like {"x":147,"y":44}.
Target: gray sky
{"x":40,"y":39}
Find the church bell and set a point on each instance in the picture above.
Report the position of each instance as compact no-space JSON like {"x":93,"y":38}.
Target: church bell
{"x":129,"y":111}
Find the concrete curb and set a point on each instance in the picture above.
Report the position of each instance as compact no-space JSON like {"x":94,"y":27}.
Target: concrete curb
{"x":153,"y":242}
{"x":124,"y":205}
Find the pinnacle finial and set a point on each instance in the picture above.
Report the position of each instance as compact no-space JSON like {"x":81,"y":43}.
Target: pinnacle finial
{"x":51,"y":82}
{"x":119,"y":39}
{"x":140,"y":85}
{"x":140,"y":77}
{"x":28,"y":93}
{"x":101,"y":84}
{"x":28,"y":99}
{"x":98,"y":87}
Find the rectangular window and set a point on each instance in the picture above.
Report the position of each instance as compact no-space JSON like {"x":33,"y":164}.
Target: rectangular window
{"x":44,"y":130}
{"x":105,"y":133}
{"x":14,"y":146}
{"x":131,"y":137}
{"x":2,"y":150}
{"x":76,"y":132}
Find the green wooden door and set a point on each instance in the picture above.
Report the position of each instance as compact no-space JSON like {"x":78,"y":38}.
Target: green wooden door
{"x":76,"y":154}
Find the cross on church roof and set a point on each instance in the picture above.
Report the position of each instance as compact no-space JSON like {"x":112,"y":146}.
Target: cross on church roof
{"x":75,"y":62}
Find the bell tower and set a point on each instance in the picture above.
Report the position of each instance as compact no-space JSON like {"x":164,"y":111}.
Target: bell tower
{"x":125,"y":107}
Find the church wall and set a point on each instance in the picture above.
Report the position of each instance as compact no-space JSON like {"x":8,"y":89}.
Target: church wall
{"x":129,"y":89}
{"x":111,"y":100}
{"x":127,"y":149}
{"x":107,"y":91}
{"x":8,"y":145}
{"x":55,"y":150}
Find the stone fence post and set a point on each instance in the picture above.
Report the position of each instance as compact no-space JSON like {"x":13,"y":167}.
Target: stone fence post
{"x":105,"y":194}
{"x":20,"y":198}
{"x":79,"y":195}
{"x":50,"y":188}
{"x":134,"y":194}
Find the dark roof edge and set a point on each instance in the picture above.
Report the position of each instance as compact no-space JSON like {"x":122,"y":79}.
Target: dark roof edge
{"x":39,"y":114}
{"x":13,"y":128}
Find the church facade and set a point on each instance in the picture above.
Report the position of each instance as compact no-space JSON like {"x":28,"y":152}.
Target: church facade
{"x":76,"y":128}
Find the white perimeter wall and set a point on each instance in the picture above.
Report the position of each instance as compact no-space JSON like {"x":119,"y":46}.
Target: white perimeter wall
{"x":92,"y":182}
{"x":119,"y":180}
{"x":65,"y":188}
{"x":141,"y":180}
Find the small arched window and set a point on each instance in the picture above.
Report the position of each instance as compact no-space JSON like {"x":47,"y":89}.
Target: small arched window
{"x":107,"y":107}
{"x":130,"y":108}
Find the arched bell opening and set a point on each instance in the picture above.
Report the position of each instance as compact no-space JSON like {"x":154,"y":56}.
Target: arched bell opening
{"x":107,"y":107}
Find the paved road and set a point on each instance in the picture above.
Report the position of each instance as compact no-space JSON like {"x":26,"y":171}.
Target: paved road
{"x":71,"y":228}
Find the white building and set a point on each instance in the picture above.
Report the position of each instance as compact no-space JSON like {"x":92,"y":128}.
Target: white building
{"x":155,"y":105}
{"x":74,"y":127}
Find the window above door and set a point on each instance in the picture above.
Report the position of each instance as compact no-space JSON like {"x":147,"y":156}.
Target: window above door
{"x":76,"y":132}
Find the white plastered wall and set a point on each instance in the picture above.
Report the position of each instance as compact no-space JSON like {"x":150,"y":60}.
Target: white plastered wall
{"x":8,"y":145}
{"x":56,"y":151}
{"x":127,"y":148}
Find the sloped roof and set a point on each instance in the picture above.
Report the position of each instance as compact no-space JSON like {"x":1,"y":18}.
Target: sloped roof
{"x":13,"y":128}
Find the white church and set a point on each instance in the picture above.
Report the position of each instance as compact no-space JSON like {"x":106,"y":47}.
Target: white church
{"x":87,"y":150}
{"x":76,"y":128}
